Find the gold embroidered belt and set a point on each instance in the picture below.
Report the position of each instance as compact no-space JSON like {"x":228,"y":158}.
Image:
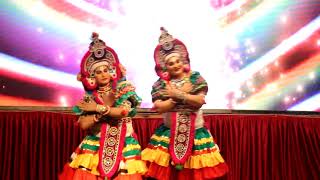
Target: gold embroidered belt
{"x":182,"y":136}
{"x":111,"y":145}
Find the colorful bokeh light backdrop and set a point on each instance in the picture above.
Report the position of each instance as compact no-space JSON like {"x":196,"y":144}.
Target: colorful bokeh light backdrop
{"x":255,"y":54}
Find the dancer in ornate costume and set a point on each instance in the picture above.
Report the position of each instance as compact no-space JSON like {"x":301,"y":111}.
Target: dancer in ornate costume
{"x":181,"y":147}
{"x":110,"y":150}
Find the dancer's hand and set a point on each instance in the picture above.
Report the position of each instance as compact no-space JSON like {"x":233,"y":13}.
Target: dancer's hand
{"x":172,"y":91}
{"x":86,"y":121}
{"x":187,"y":87}
{"x":163,"y":106}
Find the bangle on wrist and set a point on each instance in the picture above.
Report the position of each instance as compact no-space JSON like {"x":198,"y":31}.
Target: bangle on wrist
{"x":95,"y":119}
{"x":100,"y":108}
{"x":103,"y":109}
{"x":108,"y":108}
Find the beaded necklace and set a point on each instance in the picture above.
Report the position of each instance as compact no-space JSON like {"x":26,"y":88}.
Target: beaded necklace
{"x":105,"y":90}
{"x":179,"y":82}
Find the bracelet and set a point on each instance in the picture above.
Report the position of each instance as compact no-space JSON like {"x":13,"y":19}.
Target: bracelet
{"x":95,"y":119}
{"x":103,"y":109}
{"x":107,"y":111}
{"x":100,"y":108}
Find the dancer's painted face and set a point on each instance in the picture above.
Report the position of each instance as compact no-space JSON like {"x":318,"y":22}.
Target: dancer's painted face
{"x":174,"y":66}
{"x":102,"y":75}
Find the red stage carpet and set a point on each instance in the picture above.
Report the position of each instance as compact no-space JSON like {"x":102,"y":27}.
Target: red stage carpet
{"x":36,"y":145}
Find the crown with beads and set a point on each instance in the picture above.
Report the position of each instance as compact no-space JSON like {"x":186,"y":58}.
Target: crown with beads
{"x":168,"y":47}
{"x":99,"y":54}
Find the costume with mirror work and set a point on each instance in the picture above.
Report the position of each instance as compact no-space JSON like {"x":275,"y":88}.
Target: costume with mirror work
{"x":110,"y":149}
{"x":181,"y":148}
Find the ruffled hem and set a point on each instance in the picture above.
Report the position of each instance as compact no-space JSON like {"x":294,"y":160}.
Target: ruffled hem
{"x":203,"y":173}
{"x":167,"y":173}
{"x":156,"y":155}
{"x":204,"y":160}
{"x":79,"y":174}
{"x":67,"y":173}
{"x":88,"y":161}
{"x":129,"y":177}
{"x":136,"y":167}
{"x":159,"y":172}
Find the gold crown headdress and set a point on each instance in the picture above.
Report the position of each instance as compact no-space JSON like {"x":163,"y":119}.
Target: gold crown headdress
{"x":98,"y":54}
{"x":168,"y":47}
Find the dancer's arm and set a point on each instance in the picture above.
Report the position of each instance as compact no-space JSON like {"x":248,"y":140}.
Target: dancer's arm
{"x":86,"y":121}
{"x":103,"y":110}
{"x":164,"y":106}
{"x":195,"y":100}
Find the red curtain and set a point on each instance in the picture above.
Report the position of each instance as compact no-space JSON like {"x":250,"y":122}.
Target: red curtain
{"x":35,"y":145}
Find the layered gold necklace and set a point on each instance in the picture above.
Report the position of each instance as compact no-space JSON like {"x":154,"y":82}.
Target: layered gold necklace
{"x":105,"y":90}
{"x":178,"y":83}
